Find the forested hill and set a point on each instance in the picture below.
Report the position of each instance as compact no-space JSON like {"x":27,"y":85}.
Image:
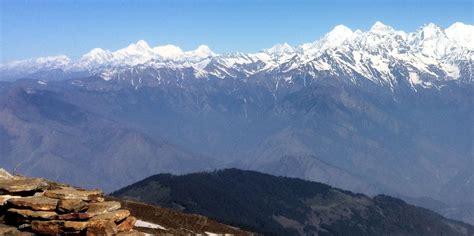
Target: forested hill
{"x":288,"y":206}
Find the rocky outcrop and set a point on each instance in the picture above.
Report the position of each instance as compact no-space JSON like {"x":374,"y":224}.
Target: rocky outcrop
{"x":31,"y":206}
{"x":35,"y":206}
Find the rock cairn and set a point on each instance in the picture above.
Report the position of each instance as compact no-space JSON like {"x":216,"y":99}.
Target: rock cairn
{"x":31,"y":206}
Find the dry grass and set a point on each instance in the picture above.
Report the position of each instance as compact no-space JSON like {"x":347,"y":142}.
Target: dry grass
{"x":176,"y":223}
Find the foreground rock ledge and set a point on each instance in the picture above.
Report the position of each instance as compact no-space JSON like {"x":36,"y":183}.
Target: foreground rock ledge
{"x":38,"y":203}
{"x":30,"y":206}
{"x":18,"y":185}
{"x":75,"y":194}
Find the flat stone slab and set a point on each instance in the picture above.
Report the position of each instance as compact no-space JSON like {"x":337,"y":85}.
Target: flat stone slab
{"x":101,"y":227}
{"x":103,"y":207}
{"x":8,"y":230}
{"x":71,"y":205}
{"x":46,"y":227}
{"x":18,"y":185}
{"x":55,"y":227}
{"x":35,"y":203}
{"x":74,"y":226}
{"x":26,"y":213}
{"x":116,"y":216}
{"x":69,"y":193}
{"x":4,"y":199}
{"x":127,"y":224}
{"x":75,"y":216}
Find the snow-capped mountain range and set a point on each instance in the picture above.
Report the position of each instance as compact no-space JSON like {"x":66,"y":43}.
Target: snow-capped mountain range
{"x":425,"y":58}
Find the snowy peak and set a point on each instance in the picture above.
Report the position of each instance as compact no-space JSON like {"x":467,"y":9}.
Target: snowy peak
{"x":431,"y":31}
{"x":54,"y":60}
{"x":96,"y":56}
{"x":168,"y":52}
{"x":50,"y":62}
{"x":431,"y":41}
{"x":462,"y":34}
{"x":381,"y":28}
{"x":96,"y":53}
{"x":201,"y":52}
{"x":134,"y":54}
{"x":279,"y":50}
{"x":279,"y":53}
{"x":335,"y":38}
{"x":140,"y":44}
{"x":139,"y":47}
{"x":338,"y":35}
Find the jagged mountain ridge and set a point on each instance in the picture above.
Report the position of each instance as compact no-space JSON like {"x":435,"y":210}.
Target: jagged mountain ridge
{"x":427,"y":57}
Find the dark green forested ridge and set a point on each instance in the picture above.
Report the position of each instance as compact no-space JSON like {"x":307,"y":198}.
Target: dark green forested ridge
{"x":288,"y":206}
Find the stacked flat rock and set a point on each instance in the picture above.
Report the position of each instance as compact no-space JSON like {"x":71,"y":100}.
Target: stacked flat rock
{"x":35,"y":206}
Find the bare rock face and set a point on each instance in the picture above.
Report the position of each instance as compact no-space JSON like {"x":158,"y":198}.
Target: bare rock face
{"x":38,"y":203}
{"x":71,"y":205}
{"x":22,"y":185}
{"x":75,"y":194}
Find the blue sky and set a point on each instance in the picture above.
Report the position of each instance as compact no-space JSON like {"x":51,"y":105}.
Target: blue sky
{"x":52,"y":27}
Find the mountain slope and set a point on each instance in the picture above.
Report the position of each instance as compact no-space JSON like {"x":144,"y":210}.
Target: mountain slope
{"x":45,"y":135}
{"x":410,"y":143}
{"x":287,"y":206}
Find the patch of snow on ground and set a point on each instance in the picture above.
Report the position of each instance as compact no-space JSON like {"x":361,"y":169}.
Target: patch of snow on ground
{"x":414,"y":79}
{"x":145,"y":224}
{"x":107,"y":75}
{"x":451,"y":70}
{"x":214,"y":234}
